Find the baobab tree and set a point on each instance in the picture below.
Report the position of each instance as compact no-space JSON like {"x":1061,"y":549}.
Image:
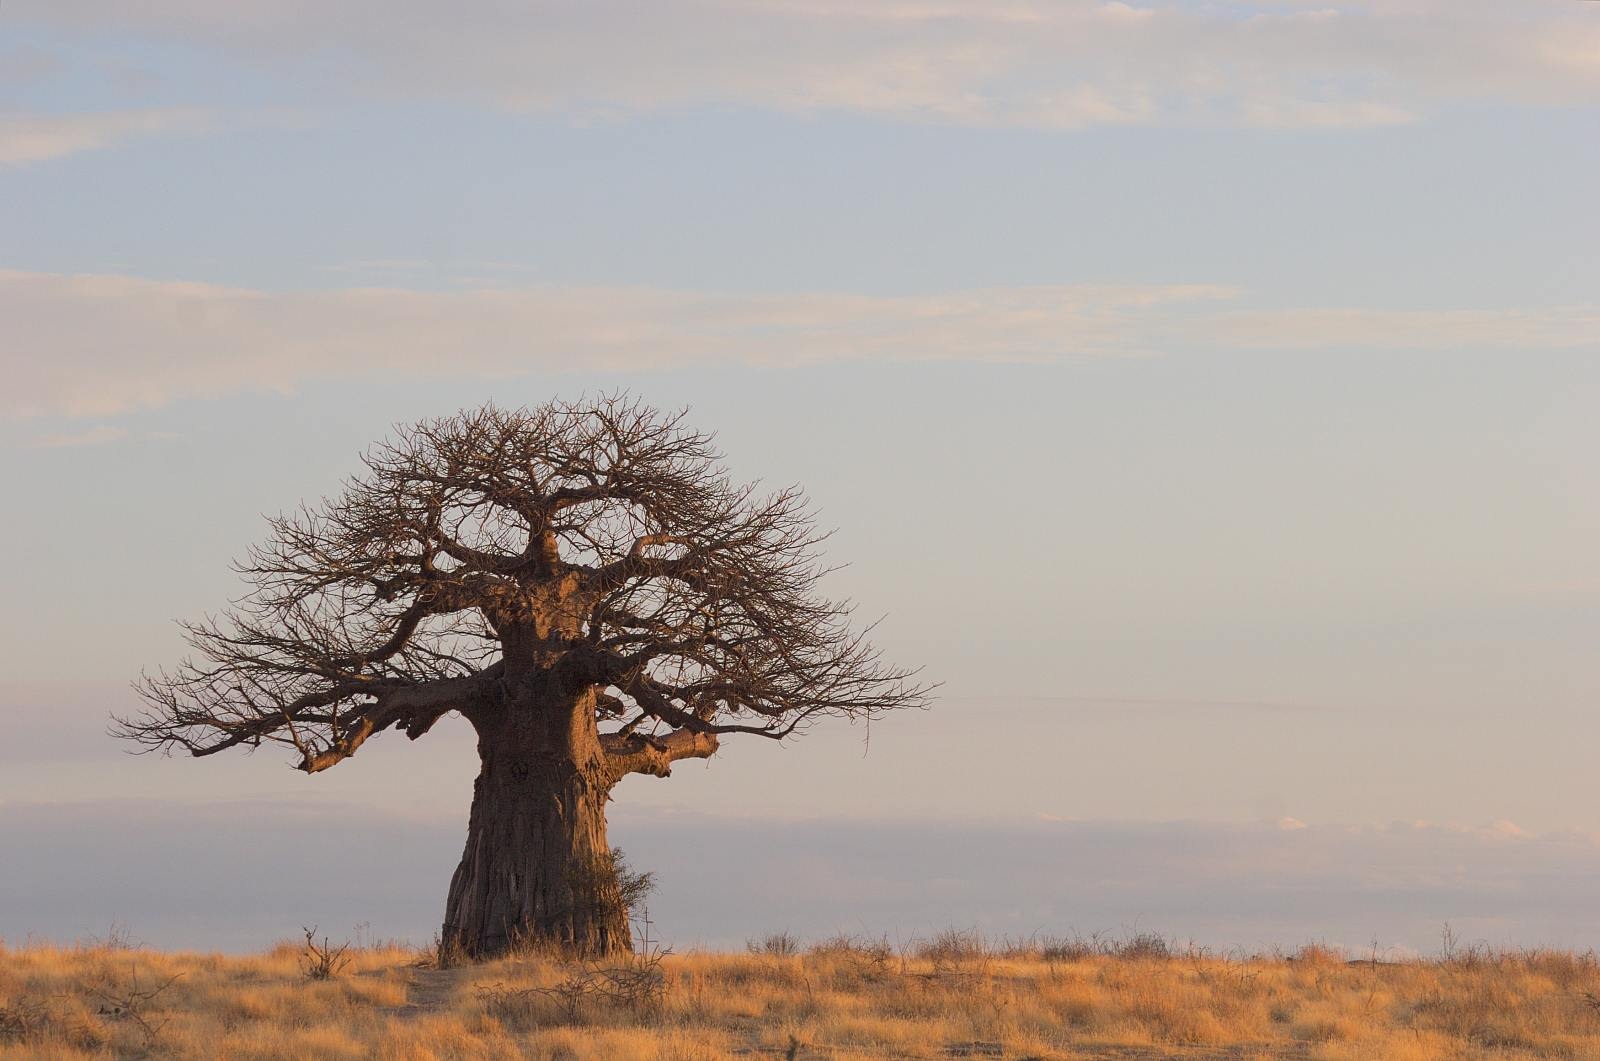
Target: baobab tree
{"x":584,"y":584}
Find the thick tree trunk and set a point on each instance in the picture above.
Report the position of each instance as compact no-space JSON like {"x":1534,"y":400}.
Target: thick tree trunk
{"x":537,"y":868}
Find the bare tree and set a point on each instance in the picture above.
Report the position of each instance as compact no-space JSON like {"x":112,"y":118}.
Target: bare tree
{"x":584,"y":584}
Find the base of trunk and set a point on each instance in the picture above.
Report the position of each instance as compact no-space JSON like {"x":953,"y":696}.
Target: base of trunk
{"x":537,"y":871}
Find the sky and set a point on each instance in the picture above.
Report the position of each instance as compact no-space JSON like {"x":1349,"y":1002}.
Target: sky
{"x":1205,"y":393}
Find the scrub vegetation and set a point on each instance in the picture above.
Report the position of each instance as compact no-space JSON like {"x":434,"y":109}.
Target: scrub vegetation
{"x":955,"y":995}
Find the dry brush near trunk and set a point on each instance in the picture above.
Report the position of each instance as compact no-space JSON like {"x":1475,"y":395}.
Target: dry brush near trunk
{"x":583,"y":583}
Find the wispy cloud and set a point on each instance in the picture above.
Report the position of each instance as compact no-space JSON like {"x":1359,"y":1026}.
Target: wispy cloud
{"x":28,"y":138}
{"x":95,"y":436}
{"x":1046,"y":63}
{"x":94,"y":345}
{"x":1125,"y":704}
{"x":1315,"y":328}
{"x":97,"y":345}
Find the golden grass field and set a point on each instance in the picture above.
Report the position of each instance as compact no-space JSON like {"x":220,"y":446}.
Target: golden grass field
{"x":846,"y":999}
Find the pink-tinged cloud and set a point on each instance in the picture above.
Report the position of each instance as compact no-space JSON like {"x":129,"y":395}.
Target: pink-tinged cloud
{"x":99,"y":345}
{"x":28,"y":137}
{"x":94,"y":436}
{"x":1059,"y":64}
{"x":94,"y":345}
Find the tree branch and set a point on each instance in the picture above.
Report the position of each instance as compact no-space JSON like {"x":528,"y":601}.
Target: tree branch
{"x":415,"y":708}
{"x":591,"y":545}
{"x":638,"y":753}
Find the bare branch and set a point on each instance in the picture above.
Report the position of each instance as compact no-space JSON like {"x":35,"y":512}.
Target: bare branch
{"x":482,"y":554}
{"x":636,"y":753}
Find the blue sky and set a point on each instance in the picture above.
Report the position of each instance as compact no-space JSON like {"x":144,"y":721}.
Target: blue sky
{"x":1204,"y":392}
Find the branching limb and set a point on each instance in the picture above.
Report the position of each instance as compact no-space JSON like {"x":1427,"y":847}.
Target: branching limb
{"x":516,"y":557}
{"x":639,"y":753}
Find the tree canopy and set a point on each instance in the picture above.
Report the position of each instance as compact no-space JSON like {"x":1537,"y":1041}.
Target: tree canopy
{"x":594,"y":546}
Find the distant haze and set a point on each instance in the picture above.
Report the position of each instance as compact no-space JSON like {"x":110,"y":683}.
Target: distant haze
{"x":240,"y":875}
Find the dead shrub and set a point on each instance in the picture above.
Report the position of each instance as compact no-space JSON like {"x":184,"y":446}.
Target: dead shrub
{"x":1143,"y":947}
{"x":324,"y":961}
{"x":1318,"y":954}
{"x":1567,"y":969}
{"x":23,"y":1020}
{"x":956,"y":952}
{"x":775,"y":945}
{"x":442,"y":953}
{"x":635,"y":984}
{"x":867,"y":959}
{"x":127,"y":1001}
{"x":1064,"y":949}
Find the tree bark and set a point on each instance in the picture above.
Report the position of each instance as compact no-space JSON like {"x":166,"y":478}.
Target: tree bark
{"x":537,"y":868}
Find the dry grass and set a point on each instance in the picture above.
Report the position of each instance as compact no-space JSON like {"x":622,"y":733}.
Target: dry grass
{"x":952,"y":996}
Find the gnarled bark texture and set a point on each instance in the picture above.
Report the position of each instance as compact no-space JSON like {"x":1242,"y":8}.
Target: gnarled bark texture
{"x":537,"y":867}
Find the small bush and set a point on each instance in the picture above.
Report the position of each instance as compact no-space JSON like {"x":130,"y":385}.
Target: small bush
{"x":23,"y":1020}
{"x":1144,"y":946}
{"x":956,"y":952}
{"x":610,"y":887}
{"x":954,"y":944}
{"x":867,"y":958}
{"x":442,"y":953}
{"x":117,"y":938}
{"x":1059,"y":949}
{"x":636,"y":984}
{"x":775,"y":945}
{"x":324,"y":961}
{"x":127,"y":1001}
{"x":1318,"y":954}
{"x":836,"y":944}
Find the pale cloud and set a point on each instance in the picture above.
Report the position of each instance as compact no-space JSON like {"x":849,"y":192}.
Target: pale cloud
{"x":28,"y":138}
{"x":1313,"y":328}
{"x":94,"y":436}
{"x":1061,"y":64}
{"x":97,"y":345}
